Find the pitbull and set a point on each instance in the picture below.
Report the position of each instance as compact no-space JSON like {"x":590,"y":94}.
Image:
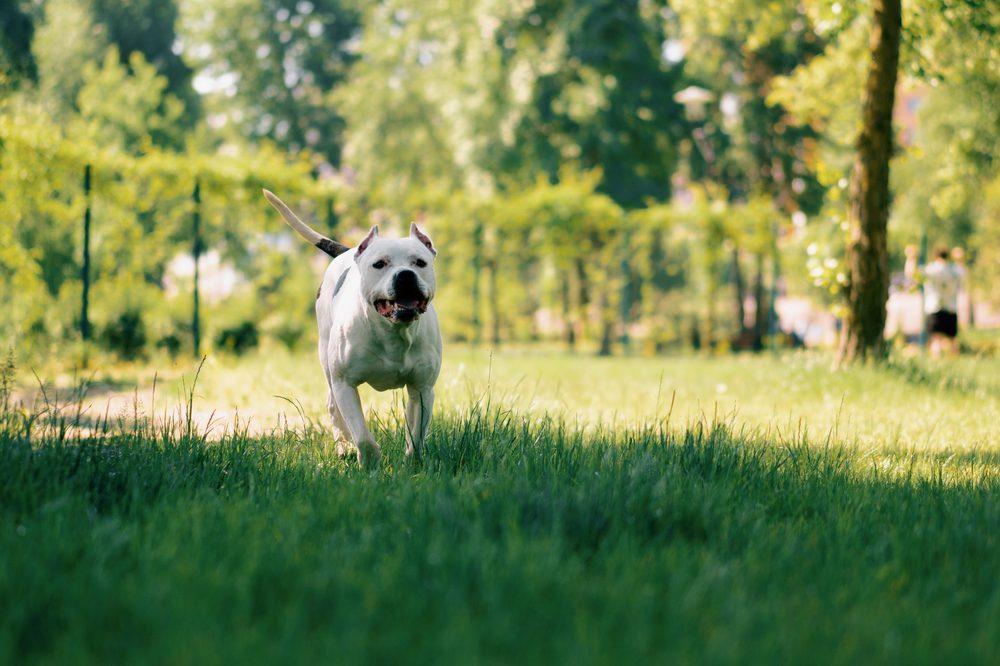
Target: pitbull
{"x":377,"y":326}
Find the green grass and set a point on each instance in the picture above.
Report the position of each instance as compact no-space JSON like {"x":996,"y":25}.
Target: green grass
{"x":560,"y":520}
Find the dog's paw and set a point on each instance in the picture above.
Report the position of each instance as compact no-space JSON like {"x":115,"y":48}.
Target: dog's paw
{"x":369,"y":454}
{"x":414,"y":453}
{"x":343,"y":448}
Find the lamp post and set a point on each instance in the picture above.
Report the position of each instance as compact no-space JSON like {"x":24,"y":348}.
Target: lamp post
{"x":694,"y":100}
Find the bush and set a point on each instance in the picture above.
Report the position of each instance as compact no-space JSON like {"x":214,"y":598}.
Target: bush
{"x":170,"y":343}
{"x":238,"y":339}
{"x":288,"y":332}
{"x":125,"y":335}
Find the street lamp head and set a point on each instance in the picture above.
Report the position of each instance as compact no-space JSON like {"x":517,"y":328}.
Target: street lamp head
{"x":694,"y":100}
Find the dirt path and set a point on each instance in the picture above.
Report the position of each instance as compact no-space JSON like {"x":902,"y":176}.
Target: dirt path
{"x":103,"y":408}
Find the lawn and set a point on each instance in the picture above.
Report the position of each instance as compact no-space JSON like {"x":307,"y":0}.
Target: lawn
{"x":565,"y":514}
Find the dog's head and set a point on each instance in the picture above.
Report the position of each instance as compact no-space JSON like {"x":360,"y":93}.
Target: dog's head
{"x":397,"y":276}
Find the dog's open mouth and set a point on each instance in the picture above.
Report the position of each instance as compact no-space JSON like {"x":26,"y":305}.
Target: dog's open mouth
{"x":401,"y":310}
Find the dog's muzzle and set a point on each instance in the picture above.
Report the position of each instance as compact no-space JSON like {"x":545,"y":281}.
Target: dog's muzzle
{"x":409,"y":300}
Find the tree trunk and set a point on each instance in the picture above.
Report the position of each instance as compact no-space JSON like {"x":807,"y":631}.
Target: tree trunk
{"x":567,"y":313}
{"x":607,"y":323}
{"x":708,"y":334}
{"x":582,"y":297}
{"x":477,"y":267}
{"x":867,"y":251}
{"x":739,"y":286}
{"x":493,"y":298}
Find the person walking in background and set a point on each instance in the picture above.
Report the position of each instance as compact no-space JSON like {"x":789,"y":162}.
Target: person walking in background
{"x":942,"y":285}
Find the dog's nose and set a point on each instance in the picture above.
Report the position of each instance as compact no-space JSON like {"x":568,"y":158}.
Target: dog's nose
{"x":404,"y":279}
{"x":406,"y":284}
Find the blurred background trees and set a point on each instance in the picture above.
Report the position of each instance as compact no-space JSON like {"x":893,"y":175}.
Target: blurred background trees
{"x":602,"y":174}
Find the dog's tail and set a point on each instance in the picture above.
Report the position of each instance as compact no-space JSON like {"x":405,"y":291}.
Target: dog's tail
{"x":331,"y":247}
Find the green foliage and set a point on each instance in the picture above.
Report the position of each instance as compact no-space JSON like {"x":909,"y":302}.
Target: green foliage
{"x":125,"y":335}
{"x":148,"y":28}
{"x":17,"y":28}
{"x":748,"y":141}
{"x":238,"y":339}
{"x":128,"y":106}
{"x":541,"y":143}
{"x":950,"y":53}
{"x":140,"y":200}
{"x":986,"y":275}
{"x":65,"y":43}
{"x":561,"y":241}
{"x":482,"y":92}
{"x":273,"y":68}
{"x":601,"y":96}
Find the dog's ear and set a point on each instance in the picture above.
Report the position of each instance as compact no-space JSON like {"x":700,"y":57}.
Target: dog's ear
{"x":415,"y":232}
{"x":363,"y":245}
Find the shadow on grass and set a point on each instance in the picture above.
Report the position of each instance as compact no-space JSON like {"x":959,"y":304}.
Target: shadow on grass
{"x":516,"y":539}
{"x":941,"y":376}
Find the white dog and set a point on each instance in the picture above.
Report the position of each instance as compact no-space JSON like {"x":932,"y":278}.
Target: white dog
{"x":377,"y":326}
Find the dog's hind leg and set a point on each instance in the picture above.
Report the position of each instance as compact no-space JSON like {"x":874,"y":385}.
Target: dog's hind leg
{"x":341,"y":434}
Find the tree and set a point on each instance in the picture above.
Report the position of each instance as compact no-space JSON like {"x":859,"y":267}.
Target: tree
{"x":65,"y":43}
{"x":868,"y":215}
{"x":738,"y":53}
{"x":932,"y":42}
{"x":748,"y":142}
{"x":436,"y":98}
{"x":481,"y":93}
{"x":149,"y":27}
{"x":128,"y":105}
{"x":268,"y":68}
{"x":601,"y":95}
{"x":16,"y":31}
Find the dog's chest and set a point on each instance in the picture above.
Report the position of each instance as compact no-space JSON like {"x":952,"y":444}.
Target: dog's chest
{"x":388,"y":376}
{"x":385,"y":371}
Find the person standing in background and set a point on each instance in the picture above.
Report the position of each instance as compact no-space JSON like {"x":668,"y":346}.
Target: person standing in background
{"x":942,"y":284}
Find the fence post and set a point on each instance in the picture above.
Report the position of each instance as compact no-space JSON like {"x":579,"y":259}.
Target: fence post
{"x":626,"y":295}
{"x":477,"y":267}
{"x":196,"y":254}
{"x":85,"y":304}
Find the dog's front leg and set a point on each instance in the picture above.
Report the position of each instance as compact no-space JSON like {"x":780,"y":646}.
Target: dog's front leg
{"x":349,"y":403}
{"x":419,"y":404}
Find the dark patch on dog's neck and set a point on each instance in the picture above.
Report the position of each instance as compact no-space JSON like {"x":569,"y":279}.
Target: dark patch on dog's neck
{"x":332,"y":247}
{"x":336,"y":288}
{"x":340,"y":283}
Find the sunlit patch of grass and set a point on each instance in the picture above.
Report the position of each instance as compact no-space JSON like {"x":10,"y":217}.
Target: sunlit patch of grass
{"x":912,"y":404}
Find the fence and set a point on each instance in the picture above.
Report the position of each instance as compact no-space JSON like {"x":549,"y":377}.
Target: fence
{"x":550,"y":260}
{"x":49,"y":177}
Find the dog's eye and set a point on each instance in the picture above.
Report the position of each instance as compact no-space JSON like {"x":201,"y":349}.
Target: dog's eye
{"x":420,"y":263}
{"x":379,"y":265}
